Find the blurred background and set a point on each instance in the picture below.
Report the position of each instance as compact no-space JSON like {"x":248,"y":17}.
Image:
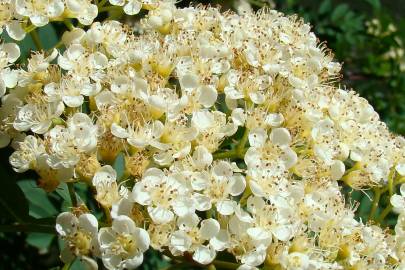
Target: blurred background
{"x":367,"y":36}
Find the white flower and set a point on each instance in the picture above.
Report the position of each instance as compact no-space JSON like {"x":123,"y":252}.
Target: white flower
{"x":295,"y":261}
{"x":83,"y":131}
{"x":37,"y":117}
{"x":122,"y":245}
{"x":39,"y":11}
{"x":160,"y":193}
{"x":398,"y":201}
{"x":25,"y":156}
{"x":131,"y":7}
{"x":9,"y":53}
{"x":141,"y":136}
{"x":190,"y":238}
{"x":105,"y":182}
{"x":83,"y":10}
{"x":80,"y":237}
{"x":218,"y":187}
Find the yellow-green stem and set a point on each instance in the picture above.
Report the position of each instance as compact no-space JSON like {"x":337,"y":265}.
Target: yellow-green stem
{"x":72,"y":194}
{"x":36,"y":39}
{"x":376,"y":200}
{"x":384,"y":213}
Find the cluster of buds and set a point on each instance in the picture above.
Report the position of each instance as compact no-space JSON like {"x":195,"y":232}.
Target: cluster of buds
{"x":235,"y":139}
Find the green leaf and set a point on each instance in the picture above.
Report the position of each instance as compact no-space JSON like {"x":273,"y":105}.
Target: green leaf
{"x":63,"y":191}
{"x":325,"y":7}
{"x":12,"y":201}
{"x":339,"y":12}
{"x":40,"y":240}
{"x":119,"y":166}
{"x":376,"y":4}
{"x":39,"y":204}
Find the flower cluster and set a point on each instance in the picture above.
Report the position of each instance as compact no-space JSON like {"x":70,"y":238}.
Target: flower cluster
{"x":235,"y":139}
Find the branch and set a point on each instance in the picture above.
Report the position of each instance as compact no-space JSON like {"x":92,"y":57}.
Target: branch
{"x":28,"y":227}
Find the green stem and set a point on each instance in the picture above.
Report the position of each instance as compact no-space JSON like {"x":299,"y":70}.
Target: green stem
{"x":109,"y":8}
{"x":240,"y":149}
{"x":68,"y":24}
{"x":225,"y":155}
{"x":384,"y":213}
{"x":107,"y":214}
{"x":376,"y":200}
{"x":30,"y":28}
{"x":72,"y":194}
{"x":36,"y":39}
{"x":391,"y":182}
{"x":27,"y":227}
{"x":225,"y":265}
{"x":67,"y":266}
{"x":101,"y":3}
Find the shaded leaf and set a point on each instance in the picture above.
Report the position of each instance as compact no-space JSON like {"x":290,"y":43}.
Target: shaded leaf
{"x":40,"y":240}
{"x":39,"y":204}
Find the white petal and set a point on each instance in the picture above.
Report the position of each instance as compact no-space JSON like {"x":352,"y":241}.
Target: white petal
{"x":12,"y":50}
{"x":140,"y":195}
{"x":142,"y":239}
{"x":209,"y":228}
{"x":222,"y":169}
{"x":10,"y":78}
{"x":133,"y":262}
{"x":106,"y":236}
{"x":73,"y":101}
{"x":202,"y":157}
{"x":280,"y":136}
{"x":123,"y":224}
{"x":160,"y":215}
{"x":274,"y":119}
{"x":183,"y":206}
{"x":238,"y":185}
{"x":89,"y":223}
{"x":257,"y":137}
{"x":208,"y":95}
{"x":204,"y":255}
{"x":238,"y":116}
{"x":282,"y":233}
{"x":15,"y":31}
{"x":337,"y":169}
{"x":203,"y":202}
{"x":203,"y":120}
{"x":259,"y":234}
{"x":66,"y":223}
{"x":400,"y":168}
{"x":132,"y":7}
{"x":221,"y":241}
{"x":402,"y":190}
{"x":189,"y":81}
{"x":99,"y":60}
{"x":180,"y":241}
{"x":289,"y":157}
{"x":226,"y":207}
{"x":105,"y":174}
{"x":119,"y":131}
{"x":398,"y":202}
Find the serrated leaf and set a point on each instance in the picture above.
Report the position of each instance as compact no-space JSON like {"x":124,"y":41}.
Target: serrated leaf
{"x":39,"y":204}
